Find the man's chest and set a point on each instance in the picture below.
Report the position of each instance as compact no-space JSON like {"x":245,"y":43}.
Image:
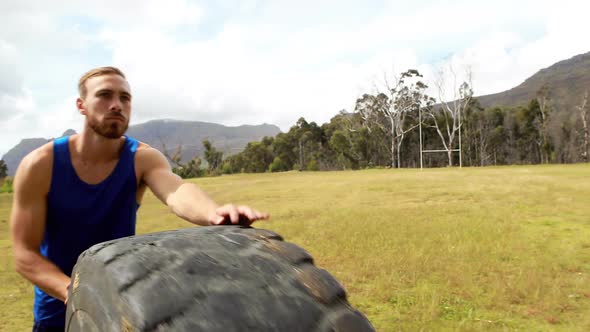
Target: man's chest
{"x":93,"y":173}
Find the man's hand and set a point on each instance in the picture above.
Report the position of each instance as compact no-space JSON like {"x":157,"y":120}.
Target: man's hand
{"x":231,"y":214}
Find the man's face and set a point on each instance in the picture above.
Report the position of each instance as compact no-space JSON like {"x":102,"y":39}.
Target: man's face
{"x":107,"y":105}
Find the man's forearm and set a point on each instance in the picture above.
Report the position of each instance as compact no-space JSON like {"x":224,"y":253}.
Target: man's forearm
{"x":192,"y":204}
{"x":41,"y":272}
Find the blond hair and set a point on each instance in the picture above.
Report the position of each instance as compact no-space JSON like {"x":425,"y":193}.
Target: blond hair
{"x":100,"y":71}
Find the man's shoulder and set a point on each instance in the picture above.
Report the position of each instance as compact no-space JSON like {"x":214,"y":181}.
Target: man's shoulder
{"x":147,"y":155}
{"x":142,"y":146}
{"x":148,"y":159}
{"x":36,"y":168}
{"x":40,"y":158}
{"x":145,"y":150}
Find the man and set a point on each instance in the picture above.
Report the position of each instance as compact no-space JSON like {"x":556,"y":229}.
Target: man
{"x":84,"y":189}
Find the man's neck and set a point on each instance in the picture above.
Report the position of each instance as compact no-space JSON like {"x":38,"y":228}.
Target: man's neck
{"x":93,"y":148}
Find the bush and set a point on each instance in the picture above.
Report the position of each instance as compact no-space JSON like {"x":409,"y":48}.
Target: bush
{"x":313,"y":165}
{"x":214,"y":172}
{"x":277,"y":165}
{"x":190,"y":170}
{"x":226,"y":168}
{"x":7,"y":185}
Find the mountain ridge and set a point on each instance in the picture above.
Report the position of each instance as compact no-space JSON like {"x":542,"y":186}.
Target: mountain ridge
{"x":567,"y":81}
{"x":168,"y":133}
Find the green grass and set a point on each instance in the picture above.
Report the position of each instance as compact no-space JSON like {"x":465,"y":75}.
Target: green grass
{"x":497,"y":249}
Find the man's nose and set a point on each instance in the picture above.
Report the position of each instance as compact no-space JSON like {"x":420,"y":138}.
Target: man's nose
{"x":116,"y":105}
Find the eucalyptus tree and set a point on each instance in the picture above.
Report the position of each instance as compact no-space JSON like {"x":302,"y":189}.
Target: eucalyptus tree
{"x":394,"y":112}
{"x":446,"y":118}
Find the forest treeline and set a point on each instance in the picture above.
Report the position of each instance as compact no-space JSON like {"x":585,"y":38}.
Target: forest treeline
{"x":384,"y":130}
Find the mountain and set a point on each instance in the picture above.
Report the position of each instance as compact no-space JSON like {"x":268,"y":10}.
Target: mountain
{"x":567,"y":81}
{"x":169,"y":133}
{"x":189,"y":135}
{"x":13,"y":157}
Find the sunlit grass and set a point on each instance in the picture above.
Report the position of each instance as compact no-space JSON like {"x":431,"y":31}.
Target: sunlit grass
{"x":504,"y":248}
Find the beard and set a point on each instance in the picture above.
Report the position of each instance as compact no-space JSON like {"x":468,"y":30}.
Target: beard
{"x":109,"y":129}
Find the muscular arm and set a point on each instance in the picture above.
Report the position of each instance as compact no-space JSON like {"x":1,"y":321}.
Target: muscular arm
{"x":186,"y":200}
{"x":28,"y":226}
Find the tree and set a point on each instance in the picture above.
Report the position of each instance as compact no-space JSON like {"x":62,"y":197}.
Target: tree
{"x":303,"y":135}
{"x":212,"y":156}
{"x":284,"y":147}
{"x":583,"y":109}
{"x":448,"y":116}
{"x":174,"y":158}
{"x":341,"y":142}
{"x":348,"y":143}
{"x":3,"y":169}
{"x":192,"y":169}
{"x":496,"y":134}
{"x":544,"y":100}
{"x":234,"y":164}
{"x":278,"y":165}
{"x":484,"y":133}
{"x":388,"y":112}
{"x":257,"y":157}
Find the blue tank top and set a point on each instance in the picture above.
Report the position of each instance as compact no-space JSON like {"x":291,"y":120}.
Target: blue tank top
{"x":80,"y":215}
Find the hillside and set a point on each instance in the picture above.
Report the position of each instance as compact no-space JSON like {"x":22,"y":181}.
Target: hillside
{"x":190,"y":135}
{"x":567,"y":80}
{"x":171,"y":133}
{"x":13,"y":157}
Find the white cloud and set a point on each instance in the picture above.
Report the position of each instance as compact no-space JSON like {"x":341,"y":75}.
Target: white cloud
{"x":503,"y":58}
{"x":11,"y":106}
{"x":11,"y":80}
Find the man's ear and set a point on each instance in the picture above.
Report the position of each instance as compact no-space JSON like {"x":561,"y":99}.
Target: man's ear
{"x":80,"y":106}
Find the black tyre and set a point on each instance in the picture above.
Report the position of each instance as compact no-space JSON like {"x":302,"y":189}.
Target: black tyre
{"x":223,"y":278}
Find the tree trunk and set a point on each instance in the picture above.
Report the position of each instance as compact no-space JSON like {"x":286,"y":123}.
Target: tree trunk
{"x":586,"y":136}
{"x":392,"y":152}
{"x":450,"y":146}
{"x":399,"y":157}
{"x":393,"y":138}
{"x":583,"y":113}
{"x":481,"y":148}
{"x":300,"y":155}
{"x":544,"y":147}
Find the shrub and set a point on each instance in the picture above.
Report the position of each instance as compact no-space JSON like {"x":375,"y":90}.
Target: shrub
{"x":313,"y":165}
{"x":277,"y":165}
{"x":7,"y":185}
{"x":226,"y":168}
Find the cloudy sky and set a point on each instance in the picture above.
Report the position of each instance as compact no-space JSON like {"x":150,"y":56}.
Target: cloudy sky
{"x":262,"y":61}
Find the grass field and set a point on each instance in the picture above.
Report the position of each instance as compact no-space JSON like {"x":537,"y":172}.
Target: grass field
{"x":496,"y":249}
